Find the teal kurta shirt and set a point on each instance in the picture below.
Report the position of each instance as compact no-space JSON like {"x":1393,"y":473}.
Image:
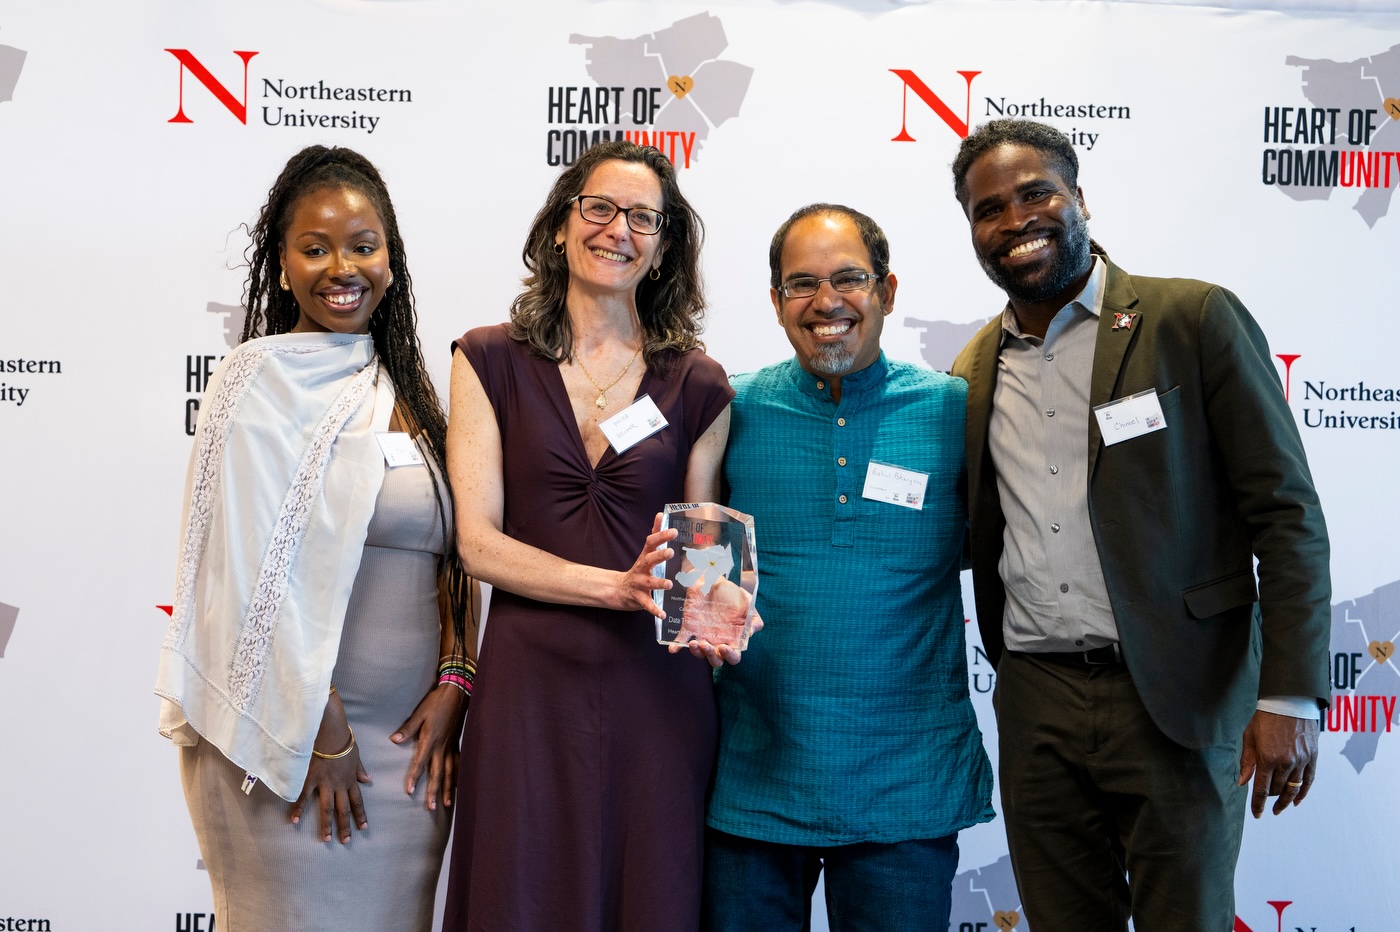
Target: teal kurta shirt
{"x":849,"y":719}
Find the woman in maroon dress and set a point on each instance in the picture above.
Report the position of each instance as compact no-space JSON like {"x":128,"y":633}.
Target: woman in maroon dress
{"x":588,"y":746}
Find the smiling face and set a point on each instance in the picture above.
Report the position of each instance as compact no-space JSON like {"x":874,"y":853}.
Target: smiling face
{"x":336,"y":259}
{"x":834,"y":333}
{"x":611,"y":258}
{"x":1029,"y":228}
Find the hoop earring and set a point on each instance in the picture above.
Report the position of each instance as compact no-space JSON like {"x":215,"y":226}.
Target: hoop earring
{"x":390,"y":283}
{"x":283,"y":281}
{"x":558,"y":249}
{"x":655,"y":274}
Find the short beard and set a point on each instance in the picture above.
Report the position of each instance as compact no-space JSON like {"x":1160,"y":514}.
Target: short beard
{"x":831,"y":361}
{"x":1070,"y":261}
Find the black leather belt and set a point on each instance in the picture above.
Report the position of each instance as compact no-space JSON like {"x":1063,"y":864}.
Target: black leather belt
{"x":1107,"y":656}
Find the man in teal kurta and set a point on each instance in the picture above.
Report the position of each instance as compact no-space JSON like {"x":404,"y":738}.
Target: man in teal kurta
{"x":848,"y":741}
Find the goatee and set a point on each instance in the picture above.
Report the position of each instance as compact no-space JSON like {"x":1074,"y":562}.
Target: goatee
{"x":832,"y":360}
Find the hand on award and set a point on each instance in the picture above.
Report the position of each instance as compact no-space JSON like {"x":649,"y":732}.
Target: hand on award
{"x":712,"y":624}
{"x":635,"y":586}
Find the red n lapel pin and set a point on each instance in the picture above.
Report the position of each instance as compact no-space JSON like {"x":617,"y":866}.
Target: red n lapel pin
{"x":1123,"y":321}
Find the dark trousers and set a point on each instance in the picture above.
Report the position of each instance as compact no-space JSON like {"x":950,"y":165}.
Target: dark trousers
{"x":757,"y":886}
{"x":1106,"y":817}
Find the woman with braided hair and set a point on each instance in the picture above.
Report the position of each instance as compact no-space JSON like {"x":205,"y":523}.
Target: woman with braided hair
{"x":322,"y":627}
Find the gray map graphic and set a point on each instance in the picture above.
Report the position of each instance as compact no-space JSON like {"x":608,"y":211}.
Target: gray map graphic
{"x":8,"y":616}
{"x":942,"y":340}
{"x":1362,"y":84}
{"x":11,"y":63}
{"x":234,"y":315}
{"x":1355,"y":624}
{"x":979,"y":894}
{"x":689,"y":47}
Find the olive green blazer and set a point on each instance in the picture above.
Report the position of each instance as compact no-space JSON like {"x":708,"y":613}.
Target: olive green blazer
{"x":1180,"y":514}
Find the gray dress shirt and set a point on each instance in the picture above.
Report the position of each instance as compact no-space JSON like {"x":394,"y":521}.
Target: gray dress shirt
{"x":1056,"y":599}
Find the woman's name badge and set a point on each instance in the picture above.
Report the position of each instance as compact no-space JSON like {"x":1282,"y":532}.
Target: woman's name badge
{"x":1130,"y":417}
{"x":902,"y":487}
{"x":633,"y":424}
{"x":399,"y":449}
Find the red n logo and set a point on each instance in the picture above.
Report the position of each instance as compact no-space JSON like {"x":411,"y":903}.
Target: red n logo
{"x":189,"y":63}
{"x":1288,"y":360}
{"x":1278,"y":905}
{"x":912,"y":82}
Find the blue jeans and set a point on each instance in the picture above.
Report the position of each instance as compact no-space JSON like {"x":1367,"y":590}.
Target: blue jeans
{"x":757,"y":886}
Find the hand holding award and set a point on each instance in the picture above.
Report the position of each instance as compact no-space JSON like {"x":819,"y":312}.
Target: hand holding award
{"x":714,"y":581}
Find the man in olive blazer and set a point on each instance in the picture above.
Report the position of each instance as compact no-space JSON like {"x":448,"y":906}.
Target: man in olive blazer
{"x":1126,"y":738}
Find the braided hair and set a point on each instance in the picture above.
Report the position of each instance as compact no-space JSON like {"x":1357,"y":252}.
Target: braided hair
{"x":393,"y":325}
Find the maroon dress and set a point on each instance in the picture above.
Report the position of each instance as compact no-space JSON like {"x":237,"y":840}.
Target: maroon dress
{"x":588,"y":748}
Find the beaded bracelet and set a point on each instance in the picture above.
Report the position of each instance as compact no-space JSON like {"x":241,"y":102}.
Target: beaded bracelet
{"x":459,"y":672}
{"x":337,"y":756}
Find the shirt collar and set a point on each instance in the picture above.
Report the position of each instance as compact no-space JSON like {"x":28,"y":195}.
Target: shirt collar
{"x":851,"y":382}
{"x":1090,"y":298}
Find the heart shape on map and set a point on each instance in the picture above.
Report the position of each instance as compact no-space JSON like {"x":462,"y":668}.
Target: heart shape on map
{"x":1381,"y":650}
{"x":680,"y":86}
{"x":1392,"y":107}
{"x":1008,"y":919}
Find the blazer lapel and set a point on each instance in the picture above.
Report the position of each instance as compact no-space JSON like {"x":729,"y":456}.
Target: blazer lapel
{"x":981,"y":384}
{"x":1110,"y":349}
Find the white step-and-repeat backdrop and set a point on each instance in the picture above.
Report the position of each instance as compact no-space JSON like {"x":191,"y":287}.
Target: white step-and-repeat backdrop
{"x":1257,"y":149}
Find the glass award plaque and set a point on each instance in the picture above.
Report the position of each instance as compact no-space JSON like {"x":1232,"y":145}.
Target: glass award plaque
{"x":713,"y":573}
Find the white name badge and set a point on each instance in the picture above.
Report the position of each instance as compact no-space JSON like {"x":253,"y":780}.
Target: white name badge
{"x":633,"y":424}
{"x":399,"y":449}
{"x":1130,"y":417}
{"x":902,"y":487}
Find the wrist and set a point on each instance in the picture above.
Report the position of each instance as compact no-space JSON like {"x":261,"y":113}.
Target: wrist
{"x":457,"y":672}
{"x":336,"y":755}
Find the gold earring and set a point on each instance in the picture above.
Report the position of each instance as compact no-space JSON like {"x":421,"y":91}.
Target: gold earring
{"x":559,"y":248}
{"x":655,"y":273}
{"x":283,"y":281}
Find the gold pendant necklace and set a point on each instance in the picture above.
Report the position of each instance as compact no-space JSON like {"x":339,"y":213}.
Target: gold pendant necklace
{"x":602,"y":401}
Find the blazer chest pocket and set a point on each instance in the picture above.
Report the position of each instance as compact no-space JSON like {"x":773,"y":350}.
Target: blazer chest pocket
{"x":1220,"y":595}
{"x":1169,"y":399}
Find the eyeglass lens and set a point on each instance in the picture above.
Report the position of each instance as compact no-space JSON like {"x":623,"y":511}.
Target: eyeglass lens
{"x":849,"y":280}
{"x":600,"y":210}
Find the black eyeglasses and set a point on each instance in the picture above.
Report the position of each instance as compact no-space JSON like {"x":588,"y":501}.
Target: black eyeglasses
{"x":805,"y":286}
{"x":601,"y":211}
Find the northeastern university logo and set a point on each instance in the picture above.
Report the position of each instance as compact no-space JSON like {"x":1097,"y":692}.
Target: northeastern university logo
{"x":1340,"y":404}
{"x":311,"y":101}
{"x":1076,"y":118}
{"x":1275,"y":921}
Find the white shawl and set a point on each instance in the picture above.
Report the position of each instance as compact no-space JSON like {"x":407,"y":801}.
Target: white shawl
{"x":282,"y":484}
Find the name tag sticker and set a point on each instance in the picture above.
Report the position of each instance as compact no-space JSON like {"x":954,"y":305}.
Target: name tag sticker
{"x":633,"y":424}
{"x":895,"y":486}
{"x":399,"y":449}
{"x":1130,"y":417}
